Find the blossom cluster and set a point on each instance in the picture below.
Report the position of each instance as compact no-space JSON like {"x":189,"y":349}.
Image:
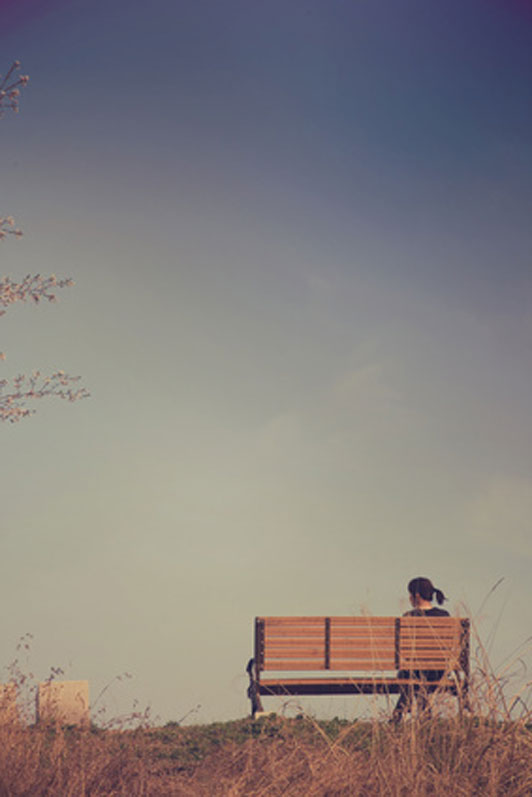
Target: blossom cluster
{"x":7,"y":227}
{"x":10,"y":86}
{"x":33,"y":287}
{"x":28,"y":388}
{"x":15,"y":393}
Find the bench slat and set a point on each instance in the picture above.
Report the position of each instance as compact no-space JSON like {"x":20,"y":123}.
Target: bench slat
{"x":363,"y":665}
{"x":359,"y":645}
{"x":352,"y":665}
{"x":286,"y":643}
{"x":281,"y":645}
{"x":299,"y":621}
{"x":294,"y":665}
{"x":272,"y":639}
{"x":341,"y":620}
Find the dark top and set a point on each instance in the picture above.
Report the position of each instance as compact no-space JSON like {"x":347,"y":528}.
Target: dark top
{"x":434,"y":612}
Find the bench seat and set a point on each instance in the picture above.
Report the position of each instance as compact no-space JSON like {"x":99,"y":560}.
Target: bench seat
{"x":348,"y":686}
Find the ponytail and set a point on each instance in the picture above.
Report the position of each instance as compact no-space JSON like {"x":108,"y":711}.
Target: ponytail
{"x":440,"y":597}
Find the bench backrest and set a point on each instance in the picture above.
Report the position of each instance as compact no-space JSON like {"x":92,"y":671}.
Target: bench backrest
{"x":361,"y":644}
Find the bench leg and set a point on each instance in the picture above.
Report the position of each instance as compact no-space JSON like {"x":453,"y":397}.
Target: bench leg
{"x":253,"y":688}
{"x":463,"y":701}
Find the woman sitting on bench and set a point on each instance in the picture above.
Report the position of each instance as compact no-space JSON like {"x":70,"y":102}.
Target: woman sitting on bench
{"x":421,"y":593}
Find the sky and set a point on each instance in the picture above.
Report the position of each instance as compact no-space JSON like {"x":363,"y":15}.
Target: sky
{"x":300,"y":239}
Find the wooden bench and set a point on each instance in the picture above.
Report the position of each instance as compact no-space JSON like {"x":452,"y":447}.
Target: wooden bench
{"x":357,"y":655}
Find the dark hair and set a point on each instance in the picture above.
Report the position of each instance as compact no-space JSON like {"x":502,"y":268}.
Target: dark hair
{"x":425,"y":589}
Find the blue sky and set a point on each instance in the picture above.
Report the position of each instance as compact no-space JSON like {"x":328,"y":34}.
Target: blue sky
{"x":300,"y":239}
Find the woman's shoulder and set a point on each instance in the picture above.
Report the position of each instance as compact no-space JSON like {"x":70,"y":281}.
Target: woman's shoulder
{"x":434,"y":612}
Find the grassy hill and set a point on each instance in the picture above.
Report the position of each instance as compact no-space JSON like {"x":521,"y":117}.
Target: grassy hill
{"x":271,"y":756}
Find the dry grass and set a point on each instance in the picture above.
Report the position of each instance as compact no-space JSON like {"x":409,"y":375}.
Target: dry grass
{"x":37,"y":761}
{"x":486,"y":752}
{"x":470,"y":760}
{"x":270,"y":757}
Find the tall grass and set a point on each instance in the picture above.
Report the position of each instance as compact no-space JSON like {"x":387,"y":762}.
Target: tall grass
{"x":270,"y":757}
{"x":485,"y":751}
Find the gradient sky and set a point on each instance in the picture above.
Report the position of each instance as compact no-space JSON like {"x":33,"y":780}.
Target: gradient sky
{"x":301,"y":240}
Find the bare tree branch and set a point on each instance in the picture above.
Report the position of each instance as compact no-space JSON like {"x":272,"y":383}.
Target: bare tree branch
{"x":10,"y":86}
{"x":17,"y":392}
{"x":29,"y":388}
{"x":33,"y":288}
{"x":7,"y":227}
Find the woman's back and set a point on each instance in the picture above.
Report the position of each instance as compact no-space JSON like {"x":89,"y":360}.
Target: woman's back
{"x":421,"y":591}
{"x":434,"y":611}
